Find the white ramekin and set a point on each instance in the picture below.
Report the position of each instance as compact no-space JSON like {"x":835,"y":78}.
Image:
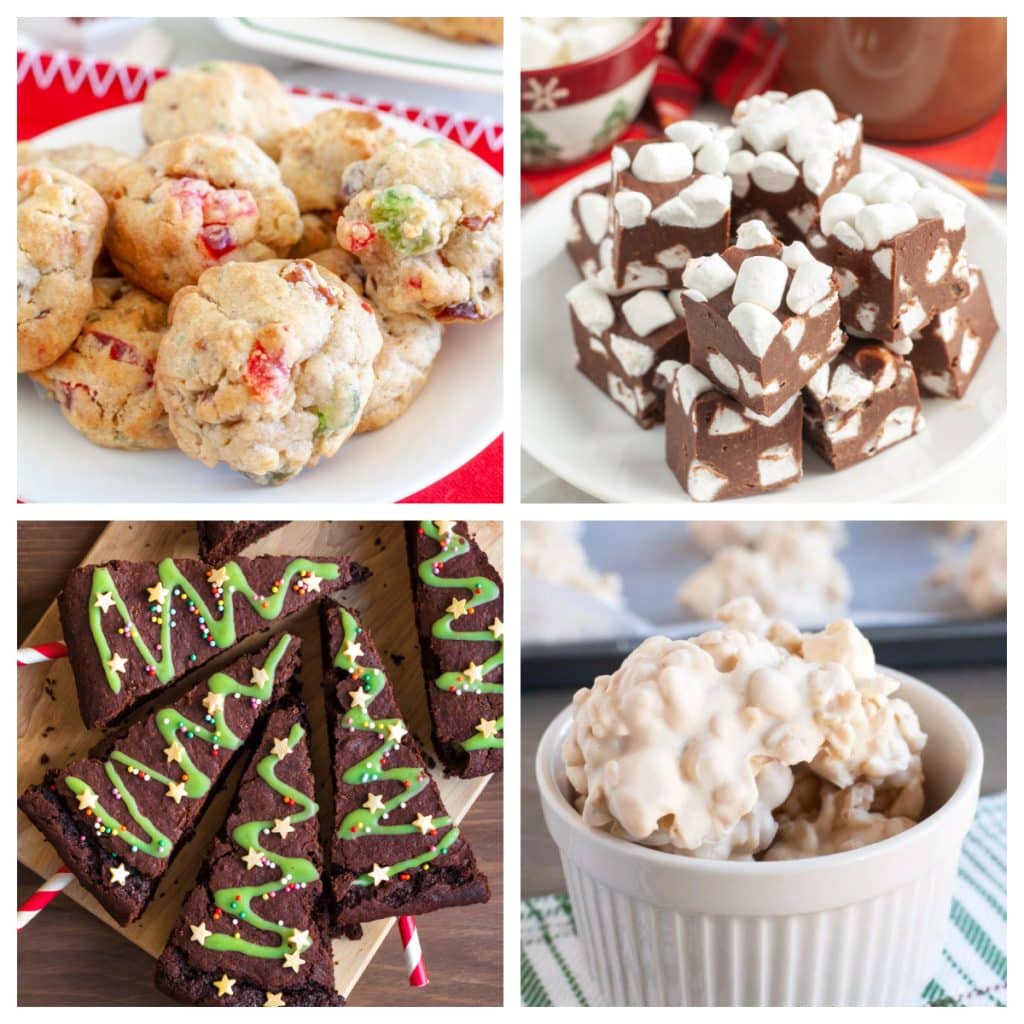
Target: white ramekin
{"x":862,"y":928}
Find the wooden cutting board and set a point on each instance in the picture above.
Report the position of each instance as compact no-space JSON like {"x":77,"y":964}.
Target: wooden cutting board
{"x":51,"y":733}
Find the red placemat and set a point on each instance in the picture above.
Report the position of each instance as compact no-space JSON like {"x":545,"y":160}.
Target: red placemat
{"x":54,"y":88}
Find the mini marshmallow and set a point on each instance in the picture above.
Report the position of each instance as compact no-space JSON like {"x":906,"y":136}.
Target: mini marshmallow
{"x":774,"y":172}
{"x":620,"y":158}
{"x":776,"y":417}
{"x":703,"y":482}
{"x":753,"y":234}
{"x":692,"y":134}
{"x":912,"y":317}
{"x":593,"y":213}
{"x":812,"y":283}
{"x":847,"y":234}
{"x":596,"y":345}
{"x":818,"y":384}
{"x":803,"y":216}
{"x":900,"y":187}
{"x":646,"y":311}
{"x":675,"y":257}
{"x":591,"y":306}
{"x":632,"y":207}
{"x":849,"y":282}
{"x":796,"y":253}
{"x":710,"y":275}
{"x":843,"y":206}
{"x":700,"y":205}
{"x":864,"y":184}
{"x":882,"y":259}
{"x":636,"y":358}
{"x":727,"y":421}
{"x":713,"y":157}
{"x":774,"y":465}
{"x":817,"y":172}
{"x":793,"y":332}
{"x":767,"y":129}
{"x":738,"y":168}
{"x":813,"y":136}
{"x":754,"y":105}
{"x":663,"y":161}
{"x":762,"y":280}
{"x":930,"y":202}
{"x":723,"y":370}
{"x":689,"y":384}
{"x":938,"y":262}
{"x":675,"y":300}
{"x":755,"y":325}
{"x":732,"y":137}
{"x":667,"y":370}
{"x":849,"y":389}
{"x":880,"y":222}
{"x":849,"y":134}
{"x":811,"y":105}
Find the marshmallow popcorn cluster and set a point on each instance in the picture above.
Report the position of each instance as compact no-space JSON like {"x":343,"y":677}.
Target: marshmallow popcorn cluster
{"x":691,"y":745}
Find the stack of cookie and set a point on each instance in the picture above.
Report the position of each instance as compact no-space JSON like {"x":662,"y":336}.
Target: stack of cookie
{"x":250,"y":290}
{"x":753,"y":288}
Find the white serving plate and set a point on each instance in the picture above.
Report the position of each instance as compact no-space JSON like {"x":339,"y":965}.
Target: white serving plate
{"x":583,"y":437}
{"x":373,"y":45}
{"x":442,"y":429}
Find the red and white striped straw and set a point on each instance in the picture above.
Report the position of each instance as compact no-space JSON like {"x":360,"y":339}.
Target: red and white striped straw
{"x":41,"y":652}
{"x":42,"y":897}
{"x":413,"y":954}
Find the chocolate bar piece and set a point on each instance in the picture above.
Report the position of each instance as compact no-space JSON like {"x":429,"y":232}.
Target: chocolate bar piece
{"x":219,"y":541}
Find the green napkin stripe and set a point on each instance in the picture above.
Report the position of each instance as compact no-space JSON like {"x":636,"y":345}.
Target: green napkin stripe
{"x":978,"y":939}
{"x":533,"y":991}
{"x":559,"y":959}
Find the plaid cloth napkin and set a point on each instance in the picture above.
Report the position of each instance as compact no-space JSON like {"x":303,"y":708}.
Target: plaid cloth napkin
{"x":54,"y":88}
{"x":727,"y":59}
{"x":972,"y":971}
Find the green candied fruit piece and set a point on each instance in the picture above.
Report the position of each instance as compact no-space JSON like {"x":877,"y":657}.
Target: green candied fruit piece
{"x":407,"y":219}
{"x":338,"y":415}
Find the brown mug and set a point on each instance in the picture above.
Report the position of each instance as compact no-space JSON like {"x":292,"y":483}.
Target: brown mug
{"x":912,"y":78}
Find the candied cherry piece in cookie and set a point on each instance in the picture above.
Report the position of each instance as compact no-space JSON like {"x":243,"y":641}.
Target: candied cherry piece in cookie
{"x":266,"y":374}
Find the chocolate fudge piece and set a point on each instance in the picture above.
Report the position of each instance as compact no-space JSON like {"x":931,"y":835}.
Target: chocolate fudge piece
{"x":898,"y":249}
{"x":132,"y":628}
{"x":861,"y":404}
{"x":219,"y":541}
{"x":665,"y":210}
{"x":589,"y":221}
{"x":949,"y":349}
{"x":253,"y":932}
{"x":119,"y":816}
{"x":621,"y":341}
{"x":718,"y":449}
{"x":395,"y":849}
{"x":761,"y":318}
{"x":457,"y":595}
{"x":796,"y":151}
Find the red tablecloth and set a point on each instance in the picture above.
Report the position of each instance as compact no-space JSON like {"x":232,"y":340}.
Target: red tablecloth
{"x":56,"y":88}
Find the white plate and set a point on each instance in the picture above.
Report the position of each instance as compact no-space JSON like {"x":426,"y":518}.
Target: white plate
{"x":55,"y":463}
{"x":580,"y":435}
{"x":374,"y":45}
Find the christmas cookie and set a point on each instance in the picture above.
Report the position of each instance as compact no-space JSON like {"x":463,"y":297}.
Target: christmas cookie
{"x":119,"y":816}
{"x":60,"y":231}
{"x":267,"y":366}
{"x":395,"y":848}
{"x":315,"y":155}
{"x":253,"y":932}
{"x":457,"y":595}
{"x":426,"y":223}
{"x":103,"y":384}
{"x":220,"y":541}
{"x":96,"y":165}
{"x":133,"y":628}
{"x":463,"y":30}
{"x":219,"y":96}
{"x":194,"y":203}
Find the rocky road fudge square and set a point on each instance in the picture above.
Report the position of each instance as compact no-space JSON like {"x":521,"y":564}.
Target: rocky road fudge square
{"x":589,"y":220}
{"x":949,"y":349}
{"x":718,"y":449}
{"x":862,"y":403}
{"x":670,"y":201}
{"x":898,"y":248}
{"x":796,"y":151}
{"x":620,"y":342}
{"x":762,"y":317}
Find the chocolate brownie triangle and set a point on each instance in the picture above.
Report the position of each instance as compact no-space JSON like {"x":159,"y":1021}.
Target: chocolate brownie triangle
{"x":132,"y":628}
{"x":395,"y":848}
{"x":253,"y":932}
{"x":219,"y":541}
{"x":119,"y":816}
{"x":457,"y":595}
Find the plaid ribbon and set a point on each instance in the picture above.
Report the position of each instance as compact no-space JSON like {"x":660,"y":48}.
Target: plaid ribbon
{"x":728,"y":59}
{"x":54,"y":88}
{"x":971,"y":971}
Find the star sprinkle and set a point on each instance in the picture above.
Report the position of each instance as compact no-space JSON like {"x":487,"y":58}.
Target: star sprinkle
{"x":360,"y":699}
{"x":104,"y":601}
{"x":175,"y":752}
{"x":396,"y":731}
{"x":87,"y":800}
{"x":457,"y":608}
{"x":225,"y":986}
{"x":117,"y":664}
{"x":300,"y":939}
{"x":487,"y":727}
{"x":157,"y":594}
{"x":353,"y":650}
{"x":474,"y":673}
{"x":214,"y":702}
{"x":283,"y":827}
{"x":119,"y":875}
{"x":218,"y":577}
{"x":259,"y":677}
{"x":373,"y":803}
{"x":444,"y":526}
{"x":294,"y":961}
{"x":379,"y":875}
{"x":312,"y":582}
{"x":176,"y":790}
{"x":253,"y":859}
{"x":497,"y":627}
{"x":200,"y":933}
{"x":274,"y":999}
{"x":424,"y":822}
{"x":280,"y":748}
